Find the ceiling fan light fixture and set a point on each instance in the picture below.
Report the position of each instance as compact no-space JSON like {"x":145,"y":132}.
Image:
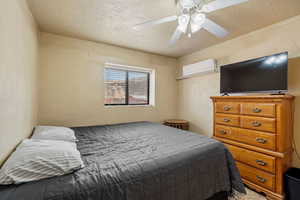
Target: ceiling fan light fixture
{"x":183,"y":20}
{"x":198,"y":18}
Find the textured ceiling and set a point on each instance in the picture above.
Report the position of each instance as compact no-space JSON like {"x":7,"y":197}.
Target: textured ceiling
{"x":111,"y":21}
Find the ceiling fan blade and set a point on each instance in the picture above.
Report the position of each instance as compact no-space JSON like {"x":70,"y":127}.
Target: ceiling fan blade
{"x":176,"y":35}
{"x":155,"y":22}
{"x":214,"y":28}
{"x":220,"y":4}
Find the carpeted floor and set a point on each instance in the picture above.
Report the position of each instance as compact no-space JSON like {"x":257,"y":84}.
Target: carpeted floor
{"x":251,"y":195}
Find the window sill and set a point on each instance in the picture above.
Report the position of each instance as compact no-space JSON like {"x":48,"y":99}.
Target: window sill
{"x":126,"y":106}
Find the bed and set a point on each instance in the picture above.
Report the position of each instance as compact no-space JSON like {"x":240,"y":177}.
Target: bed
{"x":140,"y":161}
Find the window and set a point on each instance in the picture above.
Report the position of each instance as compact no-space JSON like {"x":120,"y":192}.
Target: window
{"x":126,"y":86}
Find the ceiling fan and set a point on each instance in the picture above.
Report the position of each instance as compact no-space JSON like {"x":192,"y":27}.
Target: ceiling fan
{"x":192,"y":17}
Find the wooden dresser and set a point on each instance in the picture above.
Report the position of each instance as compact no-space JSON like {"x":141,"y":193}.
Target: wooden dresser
{"x":258,"y":131}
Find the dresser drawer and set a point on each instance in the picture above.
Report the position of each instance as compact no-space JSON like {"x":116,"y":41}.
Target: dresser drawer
{"x":251,"y":137}
{"x":258,"y":109}
{"x":258,"y":160}
{"x":257,"y":176}
{"x":258,"y":123}
{"x":226,"y":119}
{"x":227,"y":107}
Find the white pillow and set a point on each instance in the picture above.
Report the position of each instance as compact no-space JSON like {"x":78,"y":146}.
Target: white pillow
{"x":38,"y":159}
{"x":54,"y":133}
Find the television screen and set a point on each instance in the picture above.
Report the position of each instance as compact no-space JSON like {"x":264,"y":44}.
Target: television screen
{"x":266,"y":74}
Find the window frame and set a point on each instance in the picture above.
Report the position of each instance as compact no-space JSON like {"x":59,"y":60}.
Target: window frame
{"x":129,"y":69}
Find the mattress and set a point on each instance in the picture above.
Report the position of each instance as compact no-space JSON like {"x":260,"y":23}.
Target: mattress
{"x":139,"y":161}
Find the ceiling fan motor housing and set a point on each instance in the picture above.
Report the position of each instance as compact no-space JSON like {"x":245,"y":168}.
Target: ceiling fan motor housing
{"x":192,"y":4}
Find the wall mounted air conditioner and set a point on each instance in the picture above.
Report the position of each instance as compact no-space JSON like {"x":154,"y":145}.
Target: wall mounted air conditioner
{"x":199,"y":68}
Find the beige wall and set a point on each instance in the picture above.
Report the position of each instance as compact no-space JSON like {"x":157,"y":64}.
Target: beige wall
{"x":18,"y":74}
{"x":72,"y":89}
{"x":194,"y":103}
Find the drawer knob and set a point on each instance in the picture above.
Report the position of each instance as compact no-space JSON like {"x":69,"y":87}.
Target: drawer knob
{"x":261,"y":163}
{"x":256,"y":124}
{"x":261,"y":179}
{"x":226,"y":120}
{"x":227,"y":108}
{"x":222,"y":132}
{"x":257,"y":110}
{"x":261,"y":140}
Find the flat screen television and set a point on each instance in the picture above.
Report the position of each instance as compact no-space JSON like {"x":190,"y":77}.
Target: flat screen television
{"x":267,"y":74}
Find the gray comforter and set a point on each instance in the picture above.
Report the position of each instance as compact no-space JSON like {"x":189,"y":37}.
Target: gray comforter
{"x":139,"y":161}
